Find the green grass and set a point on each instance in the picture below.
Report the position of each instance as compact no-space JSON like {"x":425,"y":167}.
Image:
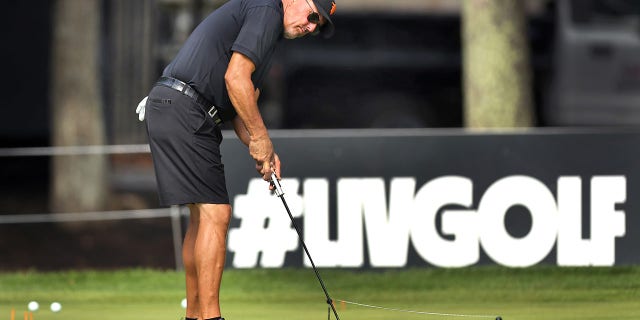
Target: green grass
{"x":534,"y":293}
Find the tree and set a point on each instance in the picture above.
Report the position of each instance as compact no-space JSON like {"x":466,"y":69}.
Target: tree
{"x":497,"y":73}
{"x":78,"y":181}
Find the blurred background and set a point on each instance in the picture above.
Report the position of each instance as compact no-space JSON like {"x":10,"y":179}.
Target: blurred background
{"x":75,"y":71}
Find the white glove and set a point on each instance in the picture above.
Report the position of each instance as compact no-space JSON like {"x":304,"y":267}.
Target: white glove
{"x":140,"y":109}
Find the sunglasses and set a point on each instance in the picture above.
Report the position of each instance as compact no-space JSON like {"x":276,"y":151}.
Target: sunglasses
{"x":313,"y":17}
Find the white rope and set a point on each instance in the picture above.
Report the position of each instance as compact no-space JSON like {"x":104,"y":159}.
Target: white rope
{"x":74,"y":150}
{"x":86,"y":216}
{"x":417,"y":312}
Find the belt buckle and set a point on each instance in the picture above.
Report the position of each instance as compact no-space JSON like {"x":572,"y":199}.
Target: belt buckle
{"x":213,"y":112}
{"x":184,"y":88}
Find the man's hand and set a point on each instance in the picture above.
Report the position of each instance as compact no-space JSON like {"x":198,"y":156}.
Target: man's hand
{"x":261,"y":150}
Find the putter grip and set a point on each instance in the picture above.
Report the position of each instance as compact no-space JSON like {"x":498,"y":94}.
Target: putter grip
{"x":276,"y":184}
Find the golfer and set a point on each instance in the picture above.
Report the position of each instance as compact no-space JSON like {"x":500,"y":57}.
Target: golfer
{"x":215,"y":78}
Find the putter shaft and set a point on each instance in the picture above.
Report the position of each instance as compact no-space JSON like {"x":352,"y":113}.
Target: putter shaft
{"x":280,"y":193}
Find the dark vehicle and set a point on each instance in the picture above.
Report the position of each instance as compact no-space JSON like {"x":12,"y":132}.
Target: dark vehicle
{"x":596,"y":78}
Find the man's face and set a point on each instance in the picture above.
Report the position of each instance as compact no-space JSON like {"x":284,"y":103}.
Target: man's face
{"x":296,"y":19}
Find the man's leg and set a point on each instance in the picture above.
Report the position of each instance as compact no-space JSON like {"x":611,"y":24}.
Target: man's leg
{"x":209,"y":253}
{"x":188,"y":258}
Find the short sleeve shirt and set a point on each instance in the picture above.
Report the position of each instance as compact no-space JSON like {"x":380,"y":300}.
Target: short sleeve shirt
{"x":250,"y":27}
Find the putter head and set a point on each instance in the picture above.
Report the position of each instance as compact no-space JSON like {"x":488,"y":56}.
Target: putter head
{"x":276,"y":185}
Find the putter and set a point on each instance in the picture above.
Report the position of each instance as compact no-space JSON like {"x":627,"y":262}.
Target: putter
{"x":278,"y":191}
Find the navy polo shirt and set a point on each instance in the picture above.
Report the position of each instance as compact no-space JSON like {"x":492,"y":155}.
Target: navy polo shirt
{"x":250,"y":27}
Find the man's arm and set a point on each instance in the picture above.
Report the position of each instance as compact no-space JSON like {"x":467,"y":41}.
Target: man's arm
{"x":239,"y":127}
{"x":243,"y":135}
{"x":243,"y":97}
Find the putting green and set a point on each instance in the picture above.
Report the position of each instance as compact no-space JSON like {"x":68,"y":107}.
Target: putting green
{"x":533,"y":293}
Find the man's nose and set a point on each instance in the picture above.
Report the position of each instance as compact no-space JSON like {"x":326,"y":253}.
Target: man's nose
{"x":312,"y":27}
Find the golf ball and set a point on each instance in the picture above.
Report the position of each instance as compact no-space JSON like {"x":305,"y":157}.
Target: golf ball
{"x":56,"y":306}
{"x":33,"y":306}
{"x":184,"y":303}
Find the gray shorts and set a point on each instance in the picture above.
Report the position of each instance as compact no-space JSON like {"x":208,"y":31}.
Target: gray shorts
{"x":185,"y":148}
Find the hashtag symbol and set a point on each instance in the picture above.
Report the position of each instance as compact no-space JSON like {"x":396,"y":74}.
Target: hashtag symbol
{"x":264,"y":225}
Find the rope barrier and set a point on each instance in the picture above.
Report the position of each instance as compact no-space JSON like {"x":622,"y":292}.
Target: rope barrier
{"x":174,"y":212}
{"x":85,"y":216}
{"x":74,"y":150}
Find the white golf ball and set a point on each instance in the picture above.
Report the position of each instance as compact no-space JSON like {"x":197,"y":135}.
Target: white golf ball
{"x":33,"y":306}
{"x":56,"y":306}
{"x":184,"y":303}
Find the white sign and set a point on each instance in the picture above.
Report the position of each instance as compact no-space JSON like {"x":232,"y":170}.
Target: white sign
{"x":408,"y":217}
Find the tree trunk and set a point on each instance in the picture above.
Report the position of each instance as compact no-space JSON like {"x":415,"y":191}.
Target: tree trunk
{"x":79,"y":182}
{"x":497,"y":74}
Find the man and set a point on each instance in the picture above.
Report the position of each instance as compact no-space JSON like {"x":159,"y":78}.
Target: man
{"x":216,"y":77}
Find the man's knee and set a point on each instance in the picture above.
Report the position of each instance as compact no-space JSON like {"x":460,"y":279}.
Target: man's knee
{"x":215,"y":213}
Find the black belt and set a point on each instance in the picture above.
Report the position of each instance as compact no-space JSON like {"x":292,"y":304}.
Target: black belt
{"x":178,"y":85}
